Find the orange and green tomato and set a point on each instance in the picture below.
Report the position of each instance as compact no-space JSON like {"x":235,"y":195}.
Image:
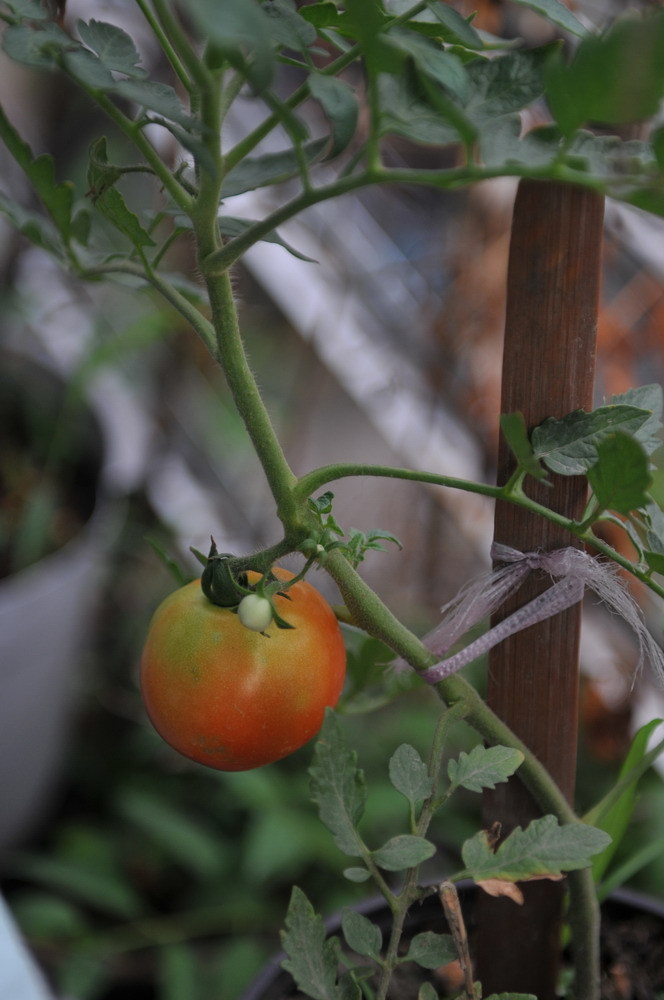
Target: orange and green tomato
{"x":233,"y":698}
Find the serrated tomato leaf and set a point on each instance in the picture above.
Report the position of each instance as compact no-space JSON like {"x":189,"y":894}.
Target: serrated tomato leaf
{"x":409,"y":774}
{"x":569,"y":445}
{"x":543,"y":848}
{"x":338,"y":787}
{"x":483,"y":767}
{"x":312,"y":960}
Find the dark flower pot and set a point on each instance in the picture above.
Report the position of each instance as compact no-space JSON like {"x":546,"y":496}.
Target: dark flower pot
{"x":632,"y":949}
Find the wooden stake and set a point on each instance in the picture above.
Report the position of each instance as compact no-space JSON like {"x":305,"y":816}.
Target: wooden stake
{"x":548,"y":370}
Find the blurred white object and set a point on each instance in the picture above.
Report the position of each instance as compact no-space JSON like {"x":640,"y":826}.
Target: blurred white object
{"x":20,"y":979}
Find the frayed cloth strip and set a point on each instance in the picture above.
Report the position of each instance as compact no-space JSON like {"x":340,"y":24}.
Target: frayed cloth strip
{"x":571,"y":568}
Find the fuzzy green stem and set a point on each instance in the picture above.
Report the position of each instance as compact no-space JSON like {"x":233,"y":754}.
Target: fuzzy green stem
{"x":511,"y":493}
{"x":164,"y":43}
{"x":180,"y":42}
{"x":231,"y":355}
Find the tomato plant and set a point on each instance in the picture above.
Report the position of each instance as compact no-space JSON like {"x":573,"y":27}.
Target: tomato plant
{"x":235,"y":698}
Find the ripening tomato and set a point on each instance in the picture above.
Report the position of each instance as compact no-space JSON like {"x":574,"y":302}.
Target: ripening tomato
{"x":233,"y":698}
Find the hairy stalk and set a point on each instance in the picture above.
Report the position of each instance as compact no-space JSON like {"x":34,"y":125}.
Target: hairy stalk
{"x":164,"y":43}
{"x":511,"y":493}
{"x":231,"y":355}
{"x":180,"y":42}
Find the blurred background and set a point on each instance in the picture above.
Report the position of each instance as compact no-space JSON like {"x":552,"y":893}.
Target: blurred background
{"x":132,"y":872}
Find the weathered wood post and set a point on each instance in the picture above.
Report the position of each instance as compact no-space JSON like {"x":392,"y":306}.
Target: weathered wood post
{"x":548,"y":370}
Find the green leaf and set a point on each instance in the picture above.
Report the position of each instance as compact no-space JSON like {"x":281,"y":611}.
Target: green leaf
{"x":505,"y":84}
{"x":614,"y":813}
{"x":556,"y":12}
{"x":655,"y":561}
{"x":431,"y":950}
{"x":104,"y":889}
{"x":46,"y":917}
{"x":184,"y":839}
{"x":543,"y":848}
{"x":613,"y":78}
{"x":82,"y":974}
{"x":366,"y":20}
{"x":109,"y":201}
{"x":33,"y":10}
{"x":154,"y":96}
{"x":427,"y":992}
{"x":241,"y":31}
{"x":404,"y":851}
{"x":312,"y":961}
{"x":569,"y":445}
{"x":646,"y":397}
{"x":621,"y":477}
{"x":456,"y":28}
{"x":502,"y":145}
{"x":34,"y":227}
{"x":513,"y":426}
{"x":406,"y":112}
{"x":483,"y":767}
{"x":271,"y":168}
{"x":37,"y":45}
{"x":511,"y":996}
{"x":287,"y":27}
{"x":178,"y":973}
{"x":338,"y":787}
{"x":87,"y":68}
{"x":338,"y":102}
{"x":233,"y":226}
{"x":57,"y":198}
{"x":356,"y":874}
{"x":324,"y":14}
{"x":114,"y":47}
{"x":409,"y":774}
{"x":361,"y":934}
{"x":433,"y":60}
{"x":657,"y":139}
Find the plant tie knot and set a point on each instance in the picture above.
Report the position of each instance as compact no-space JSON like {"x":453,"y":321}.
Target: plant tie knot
{"x":571,"y":571}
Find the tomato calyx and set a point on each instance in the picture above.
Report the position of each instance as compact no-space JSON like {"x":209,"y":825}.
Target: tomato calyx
{"x":219,"y":583}
{"x":227,"y":589}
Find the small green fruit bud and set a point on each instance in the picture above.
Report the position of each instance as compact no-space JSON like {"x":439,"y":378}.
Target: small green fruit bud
{"x":255,"y":612}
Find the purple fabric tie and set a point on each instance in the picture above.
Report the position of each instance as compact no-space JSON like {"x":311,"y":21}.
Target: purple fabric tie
{"x":572,"y":569}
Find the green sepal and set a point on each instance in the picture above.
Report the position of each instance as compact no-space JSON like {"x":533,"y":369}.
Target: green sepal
{"x":219,"y":584}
